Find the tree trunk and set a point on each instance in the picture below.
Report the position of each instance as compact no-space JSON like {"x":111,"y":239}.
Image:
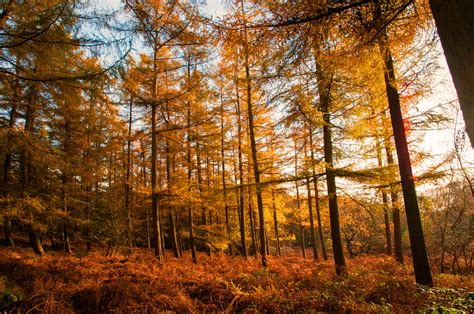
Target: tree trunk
{"x":455,"y":23}
{"x":199,"y":177}
{"x":316,"y":196}
{"x":275,"y":225}
{"x":417,"y":241}
{"x":311,"y":222}
{"x":241,"y":173}
{"x":189,"y":166}
{"x":7,"y":224}
{"x":324,"y":87}
{"x":65,"y":184}
{"x":35,"y":242}
{"x":128,"y":176}
{"x":25,"y":177}
{"x":303,"y":244}
{"x":224,"y":187}
{"x":397,"y":222}
{"x":252,"y":226}
{"x":174,"y":240}
{"x":253,"y":148}
{"x":7,"y":228}
{"x":154,"y":196}
{"x":155,"y":212}
{"x":386,"y":218}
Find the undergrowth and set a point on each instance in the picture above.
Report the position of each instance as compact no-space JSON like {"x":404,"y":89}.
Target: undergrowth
{"x":137,"y":282}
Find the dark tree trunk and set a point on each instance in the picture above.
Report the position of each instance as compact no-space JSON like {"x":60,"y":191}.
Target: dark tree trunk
{"x":128,"y":177}
{"x":189,"y":166}
{"x":386,"y":217}
{"x":253,"y":148}
{"x":316,"y":197}
{"x":332,"y":196}
{"x":65,"y":184}
{"x":417,"y":241}
{"x":252,"y":226}
{"x":303,"y":244}
{"x":174,"y":239}
{"x":35,"y":242}
{"x":275,"y":225}
{"x":455,"y":23}
{"x":324,"y":89}
{"x":241,"y":173}
{"x":178,"y":234}
{"x":7,"y":224}
{"x":154,"y":196}
{"x":25,"y":177}
{"x":397,"y":222}
{"x":199,"y":177}
{"x":7,"y":228}
{"x":311,"y":222}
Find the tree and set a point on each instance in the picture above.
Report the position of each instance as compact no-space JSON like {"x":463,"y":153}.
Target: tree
{"x":455,"y":23}
{"x":420,"y":258}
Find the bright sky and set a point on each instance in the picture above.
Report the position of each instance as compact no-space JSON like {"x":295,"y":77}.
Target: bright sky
{"x":436,"y":142}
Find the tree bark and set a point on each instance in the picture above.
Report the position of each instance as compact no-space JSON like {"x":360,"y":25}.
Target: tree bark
{"x":417,"y":241}
{"x":316,"y":197}
{"x":174,"y":239}
{"x":324,"y":90}
{"x":386,"y":217}
{"x":128,"y":175}
{"x":275,"y":225}
{"x":224,"y":187}
{"x":253,"y":147}
{"x":455,"y":23}
{"x":241,"y":172}
{"x":154,"y":196}
{"x":25,"y":177}
{"x":252,"y":226}
{"x":189,"y":166}
{"x":7,"y":224}
{"x":311,"y":222}
{"x":397,"y":222}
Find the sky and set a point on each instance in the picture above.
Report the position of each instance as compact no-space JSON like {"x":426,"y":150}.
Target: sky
{"x":436,"y":142}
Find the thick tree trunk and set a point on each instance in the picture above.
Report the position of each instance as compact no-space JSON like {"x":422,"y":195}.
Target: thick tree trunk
{"x":332,"y":196}
{"x":455,"y":22}
{"x":417,"y":241}
{"x":7,"y":228}
{"x":35,"y":242}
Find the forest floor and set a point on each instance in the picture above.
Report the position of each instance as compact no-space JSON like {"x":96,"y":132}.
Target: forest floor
{"x":134,"y":281}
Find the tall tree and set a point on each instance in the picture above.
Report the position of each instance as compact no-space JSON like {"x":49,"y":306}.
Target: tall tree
{"x":455,"y":23}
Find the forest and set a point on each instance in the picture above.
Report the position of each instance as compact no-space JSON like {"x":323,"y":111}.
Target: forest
{"x":265,"y":156}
